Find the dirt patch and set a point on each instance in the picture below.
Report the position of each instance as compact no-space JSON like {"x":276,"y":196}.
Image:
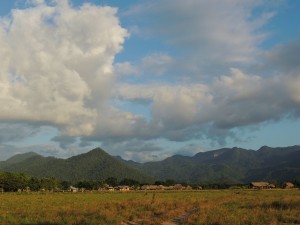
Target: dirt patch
{"x":181,"y":219}
{"x":175,"y":221}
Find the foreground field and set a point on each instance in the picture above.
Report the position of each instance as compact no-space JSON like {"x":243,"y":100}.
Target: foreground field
{"x":244,"y":207}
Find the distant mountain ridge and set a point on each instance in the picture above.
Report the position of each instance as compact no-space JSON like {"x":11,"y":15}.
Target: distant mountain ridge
{"x":20,"y":157}
{"x":93,"y":165}
{"x":231,"y":165}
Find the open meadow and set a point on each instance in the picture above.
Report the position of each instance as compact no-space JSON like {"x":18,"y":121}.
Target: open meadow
{"x":210,"y":207}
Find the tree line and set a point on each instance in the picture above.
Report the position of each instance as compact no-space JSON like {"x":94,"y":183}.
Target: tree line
{"x":12,"y":182}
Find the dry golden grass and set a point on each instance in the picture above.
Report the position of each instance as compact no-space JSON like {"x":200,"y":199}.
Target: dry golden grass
{"x":232,"y":207}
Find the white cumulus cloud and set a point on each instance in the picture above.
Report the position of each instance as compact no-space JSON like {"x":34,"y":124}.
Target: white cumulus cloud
{"x":56,"y":64}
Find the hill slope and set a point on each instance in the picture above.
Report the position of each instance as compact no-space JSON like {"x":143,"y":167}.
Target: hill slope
{"x":228,"y":165}
{"x":233,"y":165}
{"x":17,"y":158}
{"x":93,"y":165}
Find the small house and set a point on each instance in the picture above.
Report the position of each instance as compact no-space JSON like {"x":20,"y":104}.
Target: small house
{"x":272,"y":186}
{"x":73,"y":189}
{"x":188,"y":188}
{"x":109,"y":188}
{"x":261,"y":185}
{"x":152,"y":187}
{"x":177,"y":187}
{"x":288,"y":185}
{"x":123,"y":188}
{"x":169,"y":188}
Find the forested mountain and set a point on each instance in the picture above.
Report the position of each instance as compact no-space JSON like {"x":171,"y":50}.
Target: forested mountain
{"x":232,"y":165}
{"x":94,"y":165}
{"x":17,"y":158}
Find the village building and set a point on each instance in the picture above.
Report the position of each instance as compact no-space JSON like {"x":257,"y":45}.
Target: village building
{"x":177,"y":187}
{"x":123,"y":188}
{"x":161,"y":187}
{"x":73,"y":189}
{"x":272,"y":186}
{"x":169,"y":188}
{"x":188,"y":188}
{"x":288,"y":185}
{"x":261,"y":185}
{"x":109,"y":188}
{"x":152,"y":187}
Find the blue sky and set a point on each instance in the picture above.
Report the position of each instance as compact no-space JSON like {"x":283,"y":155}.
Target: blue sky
{"x":148,"y":79}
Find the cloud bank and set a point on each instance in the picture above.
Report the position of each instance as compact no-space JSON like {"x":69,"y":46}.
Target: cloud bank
{"x":58,"y":69}
{"x":224,"y":31}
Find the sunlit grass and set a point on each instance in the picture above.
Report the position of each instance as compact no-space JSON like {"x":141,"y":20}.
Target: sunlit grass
{"x":207,"y":207}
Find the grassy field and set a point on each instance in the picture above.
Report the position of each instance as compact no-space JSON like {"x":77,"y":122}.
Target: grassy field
{"x":230,"y":207}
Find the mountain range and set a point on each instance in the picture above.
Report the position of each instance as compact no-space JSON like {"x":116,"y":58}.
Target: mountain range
{"x":231,"y":165}
{"x":94,"y":165}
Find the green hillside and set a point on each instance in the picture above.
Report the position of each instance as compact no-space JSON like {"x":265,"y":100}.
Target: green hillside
{"x":231,"y":165}
{"x":94,"y":165}
{"x":17,"y":158}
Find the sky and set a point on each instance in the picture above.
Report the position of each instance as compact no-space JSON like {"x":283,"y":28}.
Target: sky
{"x":148,"y":79}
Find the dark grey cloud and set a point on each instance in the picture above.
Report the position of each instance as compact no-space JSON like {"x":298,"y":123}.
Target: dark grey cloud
{"x":64,"y":141}
{"x":285,"y":57}
{"x":16,"y":132}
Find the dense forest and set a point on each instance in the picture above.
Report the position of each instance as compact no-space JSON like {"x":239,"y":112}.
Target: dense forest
{"x":10,"y":182}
